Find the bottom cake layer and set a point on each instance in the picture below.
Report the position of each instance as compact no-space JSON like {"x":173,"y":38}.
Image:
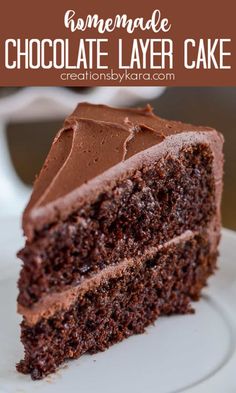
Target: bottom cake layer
{"x":119,"y":307}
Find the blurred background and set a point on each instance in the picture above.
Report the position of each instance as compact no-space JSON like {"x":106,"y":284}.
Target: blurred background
{"x":30,"y":118}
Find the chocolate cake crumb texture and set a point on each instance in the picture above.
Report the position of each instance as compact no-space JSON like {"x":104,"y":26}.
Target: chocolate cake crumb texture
{"x":123,"y":226}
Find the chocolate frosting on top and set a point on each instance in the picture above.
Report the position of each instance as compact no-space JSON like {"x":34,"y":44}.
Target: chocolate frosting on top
{"x":94,"y":139}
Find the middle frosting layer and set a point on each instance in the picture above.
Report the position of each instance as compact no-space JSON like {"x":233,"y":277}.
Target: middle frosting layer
{"x":50,"y":304}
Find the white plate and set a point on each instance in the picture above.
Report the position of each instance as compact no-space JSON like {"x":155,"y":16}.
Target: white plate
{"x":193,"y":353}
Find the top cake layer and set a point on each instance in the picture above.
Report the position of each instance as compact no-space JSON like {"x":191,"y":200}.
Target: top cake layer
{"x":97,"y":144}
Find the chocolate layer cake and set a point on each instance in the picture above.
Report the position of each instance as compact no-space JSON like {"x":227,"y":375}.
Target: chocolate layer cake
{"x":122,"y":226}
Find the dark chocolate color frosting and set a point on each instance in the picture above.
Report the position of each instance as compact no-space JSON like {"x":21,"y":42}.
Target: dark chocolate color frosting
{"x":97,"y":146}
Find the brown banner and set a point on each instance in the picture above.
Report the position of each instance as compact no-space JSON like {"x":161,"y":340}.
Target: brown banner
{"x":91,"y":43}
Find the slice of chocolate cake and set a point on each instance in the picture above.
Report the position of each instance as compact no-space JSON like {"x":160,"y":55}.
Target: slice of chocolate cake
{"x":122,"y":226}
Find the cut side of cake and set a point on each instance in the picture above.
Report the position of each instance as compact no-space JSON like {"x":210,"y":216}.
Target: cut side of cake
{"x":122,"y":226}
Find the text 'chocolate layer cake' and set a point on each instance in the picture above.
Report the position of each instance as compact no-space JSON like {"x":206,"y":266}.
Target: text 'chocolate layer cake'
{"x":122,"y":226}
